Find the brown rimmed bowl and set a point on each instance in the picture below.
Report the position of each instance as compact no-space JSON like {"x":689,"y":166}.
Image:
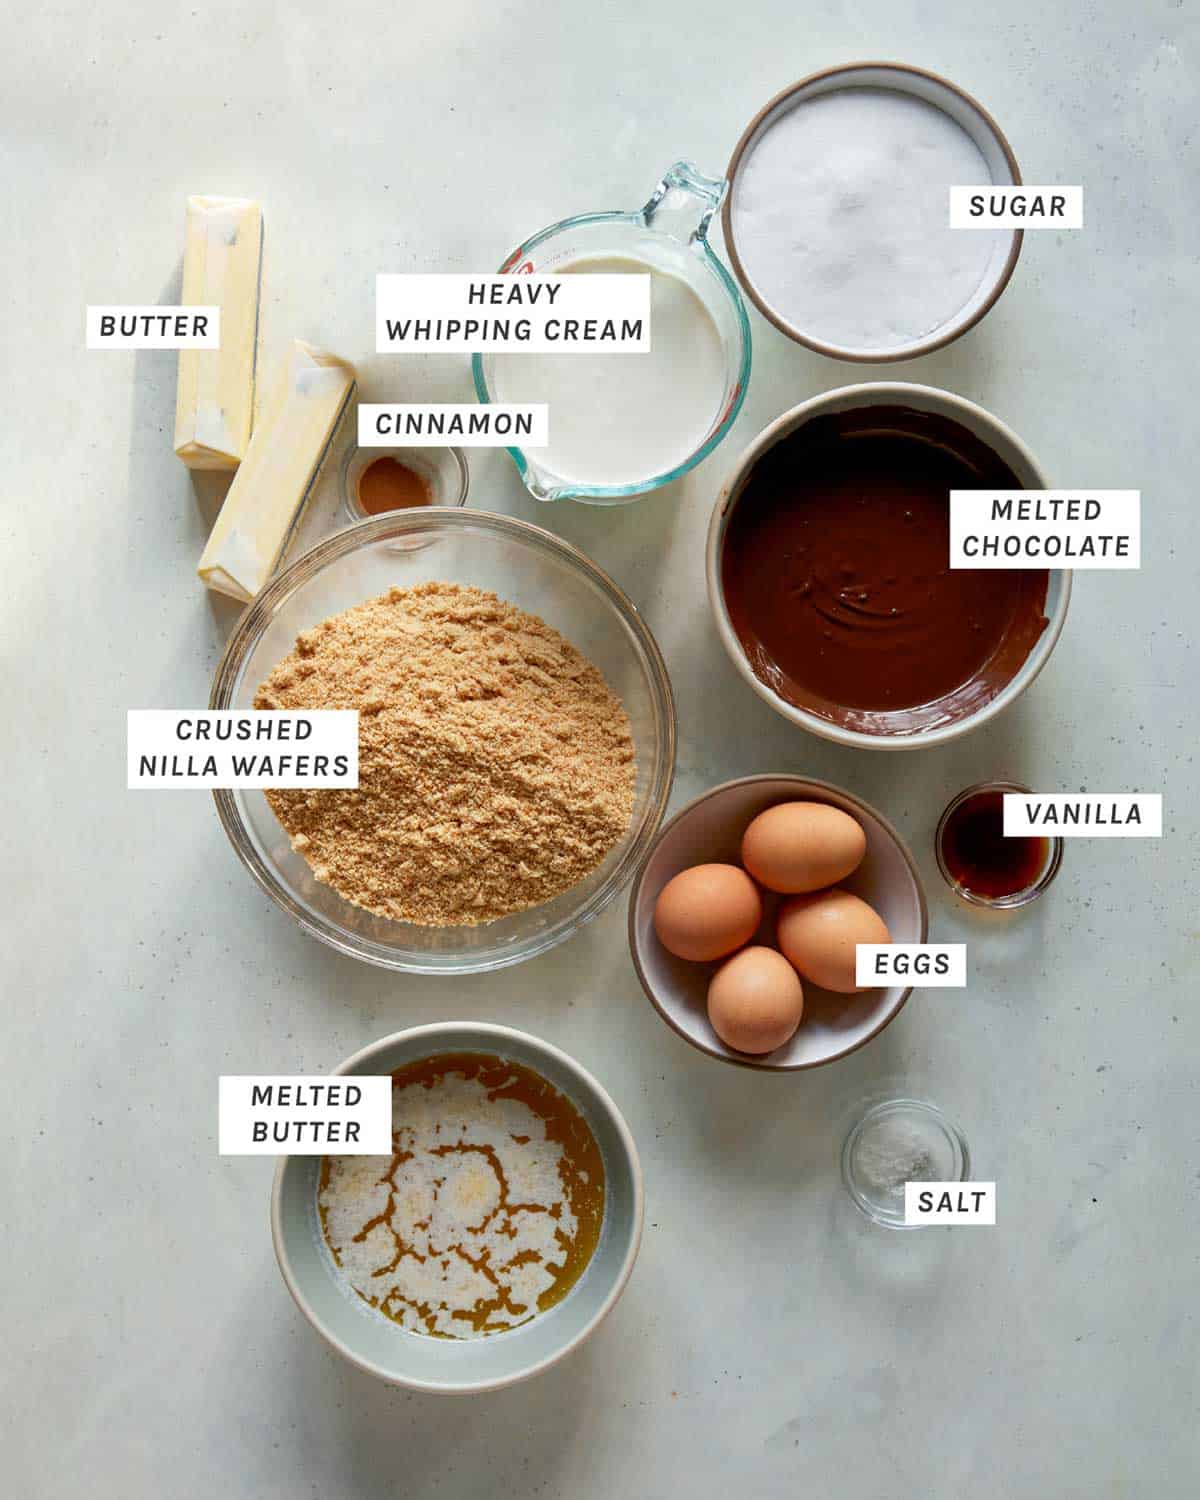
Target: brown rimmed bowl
{"x":710,"y":829}
{"x":966,"y":112}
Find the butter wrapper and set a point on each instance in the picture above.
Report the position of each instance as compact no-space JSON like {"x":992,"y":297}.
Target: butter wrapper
{"x":222,"y":267}
{"x":273,"y":483}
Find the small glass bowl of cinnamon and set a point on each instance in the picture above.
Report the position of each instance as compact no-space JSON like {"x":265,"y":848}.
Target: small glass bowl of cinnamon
{"x":376,"y":481}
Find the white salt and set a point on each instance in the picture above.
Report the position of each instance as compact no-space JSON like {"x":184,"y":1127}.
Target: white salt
{"x":841,"y":218}
{"x":891,"y":1155}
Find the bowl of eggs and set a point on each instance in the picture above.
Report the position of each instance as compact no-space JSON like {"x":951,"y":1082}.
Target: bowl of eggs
{"x":745,"y":919}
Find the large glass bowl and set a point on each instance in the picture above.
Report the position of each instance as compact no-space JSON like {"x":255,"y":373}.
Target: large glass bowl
{"x":535,"y":571}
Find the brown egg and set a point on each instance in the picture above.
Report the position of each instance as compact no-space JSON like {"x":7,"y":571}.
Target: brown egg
{"x":707,"y":912}
{"x":819,"y":933}
{"x":802,"y":846}
{"x":755,"y":1001}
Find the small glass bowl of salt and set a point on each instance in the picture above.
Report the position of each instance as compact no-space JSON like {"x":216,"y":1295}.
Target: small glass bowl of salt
{"x":898,"y":1141}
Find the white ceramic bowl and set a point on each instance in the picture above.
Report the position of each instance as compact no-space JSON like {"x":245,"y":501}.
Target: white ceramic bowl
{"x":452,"y":1366}
{"x":1000,"y":438}
{"x":967,"y":113}
{"x":710,"y":829}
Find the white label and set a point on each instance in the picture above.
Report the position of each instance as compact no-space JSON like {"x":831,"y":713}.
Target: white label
{"x":227,"y":747}
{"x":932,"y":965}
{"x":1083,"y":815}
{"x":521,"y":314}
{"x":424,"y":424}
{"x":154,"y":327}
{"x":293,"y":1115}
{"x":1019,"y":207}
{"x":1045,"y":528}
{"x":950,"y":1203}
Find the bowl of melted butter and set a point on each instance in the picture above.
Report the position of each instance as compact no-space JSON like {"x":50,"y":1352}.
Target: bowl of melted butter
{"x":494,"y":1237}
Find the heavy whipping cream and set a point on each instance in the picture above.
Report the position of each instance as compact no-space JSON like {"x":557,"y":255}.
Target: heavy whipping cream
{"x":841,"y":212}
{"x":623,"y":419}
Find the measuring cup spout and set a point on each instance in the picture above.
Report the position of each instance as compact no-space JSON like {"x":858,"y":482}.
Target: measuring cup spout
{"x":684,"y":202}
{"x":542,"y":486}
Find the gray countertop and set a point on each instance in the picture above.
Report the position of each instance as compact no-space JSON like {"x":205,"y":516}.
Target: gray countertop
{"x":771,"y":1342}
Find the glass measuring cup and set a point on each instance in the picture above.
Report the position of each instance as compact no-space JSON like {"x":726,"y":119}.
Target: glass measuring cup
{"x":668,"y":234}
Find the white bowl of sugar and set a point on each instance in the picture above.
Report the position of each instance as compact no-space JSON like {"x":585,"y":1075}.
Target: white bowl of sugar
{"x":837,"y":220}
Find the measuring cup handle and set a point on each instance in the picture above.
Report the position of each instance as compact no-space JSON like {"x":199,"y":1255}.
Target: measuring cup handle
{"x":684,"y":202}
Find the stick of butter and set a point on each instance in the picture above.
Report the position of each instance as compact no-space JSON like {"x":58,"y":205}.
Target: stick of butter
{"x":222,"y":266}
{"x":275,"y":478}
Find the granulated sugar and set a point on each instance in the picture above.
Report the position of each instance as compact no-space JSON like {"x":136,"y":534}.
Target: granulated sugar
{"x":841,"y":218}
{"x":487,"y":1211}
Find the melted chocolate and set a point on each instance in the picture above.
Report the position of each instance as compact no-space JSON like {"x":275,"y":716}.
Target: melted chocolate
{"x":837,"y":578}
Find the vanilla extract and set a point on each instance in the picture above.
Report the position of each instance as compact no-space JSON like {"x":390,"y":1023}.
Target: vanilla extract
{"x":978,"y":858}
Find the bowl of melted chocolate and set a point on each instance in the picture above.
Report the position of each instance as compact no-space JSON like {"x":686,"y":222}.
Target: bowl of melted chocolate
{"x":829,"y":569}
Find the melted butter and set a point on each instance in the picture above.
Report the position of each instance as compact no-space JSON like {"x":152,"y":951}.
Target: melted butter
{"x":390,"y":1248}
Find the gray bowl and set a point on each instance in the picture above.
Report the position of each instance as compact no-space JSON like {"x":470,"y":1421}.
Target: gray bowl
{"x":710,"y":829}
{"x":462,"y":1367}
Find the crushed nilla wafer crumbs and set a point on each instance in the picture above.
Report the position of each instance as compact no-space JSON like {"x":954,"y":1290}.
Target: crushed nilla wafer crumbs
{"x":496,"y":767}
